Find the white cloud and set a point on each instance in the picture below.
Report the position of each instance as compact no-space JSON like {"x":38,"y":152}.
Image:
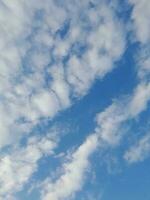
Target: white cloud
{"x":139,"y":151}
{"x":140,"y":17}
{"x":81,"y":72}
{"x":73,"y":172}
{"x":17,"y":167}
{"x":100,"y":55}
{"x":32,"y":52}
{"x":108,"y":132}
{"x":71,"y":180}
{"x":45,"y":103}
{"x":109,"y":123}
{"x":140,"y":99}
{"x":19,"y":93}
{"x":111,"y":119}
{"x":35,"y":81}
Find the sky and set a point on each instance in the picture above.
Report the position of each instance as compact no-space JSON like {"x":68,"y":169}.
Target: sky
{"x":74,"y":100}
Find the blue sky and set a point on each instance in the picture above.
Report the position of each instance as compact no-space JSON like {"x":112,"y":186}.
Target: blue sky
{"x":74,"y":100}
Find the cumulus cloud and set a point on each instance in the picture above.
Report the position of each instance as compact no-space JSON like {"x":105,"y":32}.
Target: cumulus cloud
{"x":51,"y":53}
{"x":100,"y":54}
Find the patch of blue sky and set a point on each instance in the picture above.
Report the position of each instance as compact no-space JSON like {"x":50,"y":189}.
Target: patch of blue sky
{"x":122,"y":10}
{"x":62,"y":32}
{"x":132,"y":183}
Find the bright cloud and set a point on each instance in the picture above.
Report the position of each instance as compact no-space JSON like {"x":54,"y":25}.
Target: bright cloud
{"x":17,"y":167}
{"x":52,"y":53}
{"x":36,"y":81}
{"x":73,"y":172}
{"x":108,"y":132}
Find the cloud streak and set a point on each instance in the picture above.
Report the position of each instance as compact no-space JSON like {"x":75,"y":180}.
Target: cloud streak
{"x":73,"y":174}
{"x":139,"y":151}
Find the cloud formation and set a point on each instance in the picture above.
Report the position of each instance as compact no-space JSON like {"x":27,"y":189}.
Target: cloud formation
{"x":43,"y":68}
{"x":139,"y":151}
{"x":51,"y":54}
{"x":17,"y":166}
{"x":140,"y":16}
{"x":108,"y":133}
{"x":73,"y":174}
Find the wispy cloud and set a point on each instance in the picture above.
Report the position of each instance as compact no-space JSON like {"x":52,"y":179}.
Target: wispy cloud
{"x":140,"y":16}
{"x":140,"y":25}
{"x":139,"y":151}
{"x":73,"y":174}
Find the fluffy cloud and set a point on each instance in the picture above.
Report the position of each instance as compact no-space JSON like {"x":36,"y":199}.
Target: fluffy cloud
{"x":17,"y":167}
{"x":140,"y":17}
{"x":51,"y":53}
{"x":42,"y":70}
{"x":100,"y":54}
{"x":44,"y":64}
